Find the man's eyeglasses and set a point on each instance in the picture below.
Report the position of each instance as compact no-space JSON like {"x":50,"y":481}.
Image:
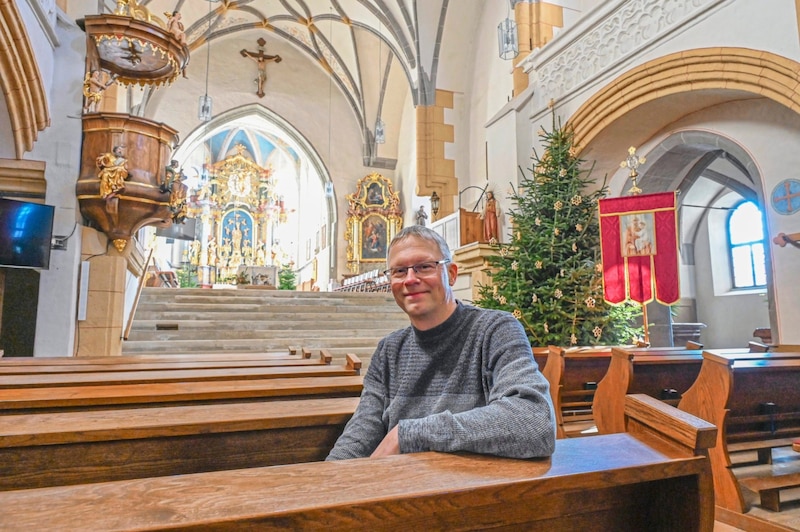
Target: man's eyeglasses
{"x":423,"y":269}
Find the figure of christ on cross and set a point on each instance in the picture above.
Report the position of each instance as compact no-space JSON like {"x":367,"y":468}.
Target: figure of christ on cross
{"x":261,"y":60}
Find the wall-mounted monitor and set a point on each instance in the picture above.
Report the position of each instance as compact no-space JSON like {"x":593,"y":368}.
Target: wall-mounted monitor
{"x":184,"y":231}
{"x":26,"y":231}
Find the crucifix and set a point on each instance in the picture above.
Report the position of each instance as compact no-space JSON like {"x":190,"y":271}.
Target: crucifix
{"x":261,"y":60}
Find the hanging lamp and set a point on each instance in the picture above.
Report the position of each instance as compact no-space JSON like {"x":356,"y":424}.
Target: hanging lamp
{"x":507,"y":40}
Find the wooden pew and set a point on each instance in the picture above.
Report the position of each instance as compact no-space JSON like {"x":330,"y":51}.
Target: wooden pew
{"x":573,"y":375}
{"x":352,"y":366}
{"x":293,"y":352}
{"x":51,"y":449}
{"x":83,"y":366}
{"x":645,"y":372}
{"x":730,"y":393}
{"x":84,"y":398}
{"x":654,"y":478}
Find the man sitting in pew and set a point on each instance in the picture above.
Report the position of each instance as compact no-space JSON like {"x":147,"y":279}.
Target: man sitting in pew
{"x":460,"y":378}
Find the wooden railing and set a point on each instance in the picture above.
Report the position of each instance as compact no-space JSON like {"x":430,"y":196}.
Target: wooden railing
{"x":142,"y":280}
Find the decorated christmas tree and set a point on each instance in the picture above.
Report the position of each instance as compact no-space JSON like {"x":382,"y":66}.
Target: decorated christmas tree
{"x":550,"y":275}
{"x":287,"y":280}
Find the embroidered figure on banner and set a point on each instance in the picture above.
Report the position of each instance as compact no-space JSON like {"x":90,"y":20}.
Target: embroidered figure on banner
{"x":638,"y":239}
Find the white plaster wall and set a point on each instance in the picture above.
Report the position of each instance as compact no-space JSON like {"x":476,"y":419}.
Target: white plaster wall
{"x":731,"y":319}
{"x":42,"y":48}
{"x":491,"y":87}
{"x":406,"y":171}
{"x":59,"y":146}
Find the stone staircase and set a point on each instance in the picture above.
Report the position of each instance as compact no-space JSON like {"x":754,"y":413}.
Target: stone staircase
{"x":194,"y":320}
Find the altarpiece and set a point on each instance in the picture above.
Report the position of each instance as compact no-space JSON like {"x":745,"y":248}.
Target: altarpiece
{"x":374,"y":218}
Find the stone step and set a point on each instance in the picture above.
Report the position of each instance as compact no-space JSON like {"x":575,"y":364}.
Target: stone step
{"x":254,"y":334}
{"x":269,"y":326}
{"x":254,"y":320}
{"x":341,"y":345}
{"x":331,"y":317}
{"x":251,"y":307}
{"x":190,"y":294}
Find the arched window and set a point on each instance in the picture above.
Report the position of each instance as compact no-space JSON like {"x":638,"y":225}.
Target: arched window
{"x":746,"y":246}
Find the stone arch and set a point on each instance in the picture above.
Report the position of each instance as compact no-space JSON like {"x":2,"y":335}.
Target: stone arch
{"x":298,"y":142}
{"x":20,"y":81}
{"x":732,"y":69}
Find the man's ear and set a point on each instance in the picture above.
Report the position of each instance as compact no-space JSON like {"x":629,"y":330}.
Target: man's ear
{"x":452,"y":273}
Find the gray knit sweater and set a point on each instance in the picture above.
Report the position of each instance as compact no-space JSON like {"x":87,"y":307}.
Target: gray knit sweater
{"x":469,"y":384}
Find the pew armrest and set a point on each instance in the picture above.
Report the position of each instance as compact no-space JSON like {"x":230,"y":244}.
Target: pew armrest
{"x":648,"y":417}
{"x":325,"y":356}
{"x":353,"y":362}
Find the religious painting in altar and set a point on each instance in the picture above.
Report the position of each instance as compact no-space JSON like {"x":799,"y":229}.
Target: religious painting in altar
{"x":374,"y":217}
{"x":374,"y":231}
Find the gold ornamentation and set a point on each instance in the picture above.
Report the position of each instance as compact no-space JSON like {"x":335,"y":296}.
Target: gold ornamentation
{"x":374,"y":218}
{"x":120,"y":244}
{"x":633,"y":163}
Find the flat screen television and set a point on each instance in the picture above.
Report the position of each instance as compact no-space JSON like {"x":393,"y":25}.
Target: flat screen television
{"x":184,"y":231}
{"x":26,"y":231}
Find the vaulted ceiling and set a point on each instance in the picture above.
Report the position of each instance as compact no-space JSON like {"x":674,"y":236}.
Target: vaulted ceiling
{"x":375,"y":50}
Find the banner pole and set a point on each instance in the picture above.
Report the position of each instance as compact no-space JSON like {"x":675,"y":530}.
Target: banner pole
{"x":644,"y":321}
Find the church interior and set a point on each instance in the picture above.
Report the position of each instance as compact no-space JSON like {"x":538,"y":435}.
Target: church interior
{"x":179,"y":154}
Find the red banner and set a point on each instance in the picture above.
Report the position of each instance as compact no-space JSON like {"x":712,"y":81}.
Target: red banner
{"x":639,"y":248}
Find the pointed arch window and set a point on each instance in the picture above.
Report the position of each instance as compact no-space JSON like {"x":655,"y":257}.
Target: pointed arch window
{"x":746,"y":246}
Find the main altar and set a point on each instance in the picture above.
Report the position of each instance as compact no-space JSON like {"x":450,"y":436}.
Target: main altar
{"x":238,"y":211}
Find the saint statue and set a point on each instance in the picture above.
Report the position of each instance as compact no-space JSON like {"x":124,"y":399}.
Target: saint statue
{"x":421,"y":216}
{"x":489,"y":216}
{"x":236,"y":239}
{"x":93,"y":87}
{"x":112,"y":173}
{"x":212,"y":252}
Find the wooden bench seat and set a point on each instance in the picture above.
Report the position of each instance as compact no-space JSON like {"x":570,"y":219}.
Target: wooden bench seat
{"x":732,"y":393}
{"x":352,"y":366}
{"x":83,"y":398}
{"x":654,"y":478}
{"x":52,"y":449}
{"x":324,"y":357}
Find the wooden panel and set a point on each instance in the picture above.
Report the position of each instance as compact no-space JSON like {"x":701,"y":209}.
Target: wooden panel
{"x":471,"y":227}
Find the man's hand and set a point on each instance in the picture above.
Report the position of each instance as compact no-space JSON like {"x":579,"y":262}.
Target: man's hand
{"x":389,"y":446}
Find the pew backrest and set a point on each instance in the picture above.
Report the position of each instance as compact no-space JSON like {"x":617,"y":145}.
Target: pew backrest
{"x":351,"y":367}
{"x":66,"y":398}
{"x":49,"y":449}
